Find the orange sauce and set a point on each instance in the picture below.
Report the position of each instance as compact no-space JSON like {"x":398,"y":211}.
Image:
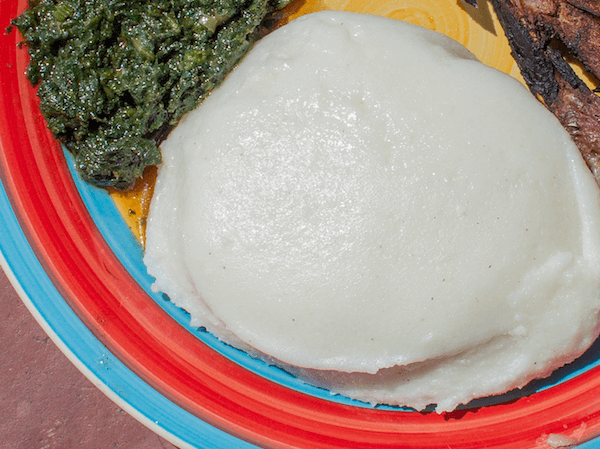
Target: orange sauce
{"x":134,"y":204}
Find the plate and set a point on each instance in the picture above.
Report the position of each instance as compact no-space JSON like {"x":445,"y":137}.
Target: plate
{"x":77,"y":265}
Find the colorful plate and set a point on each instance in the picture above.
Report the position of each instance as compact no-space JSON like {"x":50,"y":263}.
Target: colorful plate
{"x":77,"y":266}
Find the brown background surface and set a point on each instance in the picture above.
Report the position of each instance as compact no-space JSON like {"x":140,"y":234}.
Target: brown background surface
{"x":45,"y":402}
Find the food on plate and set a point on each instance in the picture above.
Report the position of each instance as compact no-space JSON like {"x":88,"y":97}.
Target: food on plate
{"x":115,"y":76}
{"x":533,"y":28}
{"x":367,"y":206}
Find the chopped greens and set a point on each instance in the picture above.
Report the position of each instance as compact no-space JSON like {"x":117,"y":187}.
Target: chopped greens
{"x":115,"y":76}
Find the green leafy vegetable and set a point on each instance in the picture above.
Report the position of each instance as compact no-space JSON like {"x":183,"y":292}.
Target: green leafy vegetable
{"x":116,"y":76}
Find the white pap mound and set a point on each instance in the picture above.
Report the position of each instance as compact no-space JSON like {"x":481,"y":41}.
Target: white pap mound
{"x":365,"y":204}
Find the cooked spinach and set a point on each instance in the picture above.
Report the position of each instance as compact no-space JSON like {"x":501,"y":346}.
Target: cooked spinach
{"x":115,"y":76}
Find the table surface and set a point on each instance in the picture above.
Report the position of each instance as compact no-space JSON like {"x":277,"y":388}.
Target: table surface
{"x":45,"y":402}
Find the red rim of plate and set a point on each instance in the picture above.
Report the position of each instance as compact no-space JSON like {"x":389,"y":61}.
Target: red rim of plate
{"x":182,"y":368}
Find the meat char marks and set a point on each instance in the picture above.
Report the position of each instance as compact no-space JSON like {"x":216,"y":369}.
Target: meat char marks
{"x":541,"y":34}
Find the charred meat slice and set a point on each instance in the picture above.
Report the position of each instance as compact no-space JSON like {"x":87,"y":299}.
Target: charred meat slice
{"x":573,"y":22}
